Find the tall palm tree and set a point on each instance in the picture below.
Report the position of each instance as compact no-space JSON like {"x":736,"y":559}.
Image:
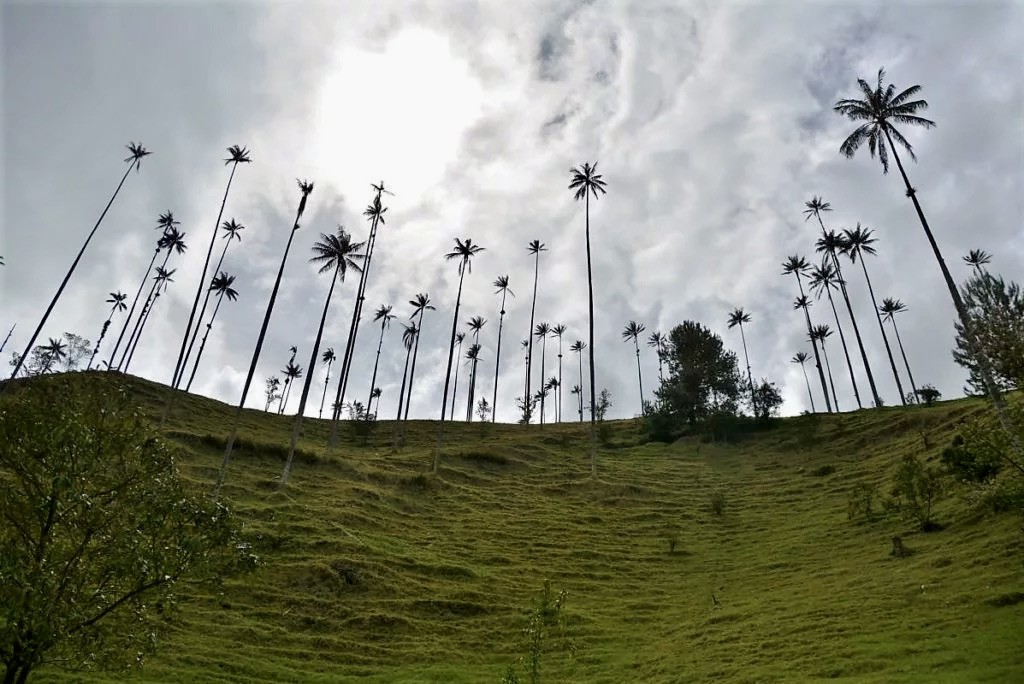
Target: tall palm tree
{"x":578,"y":346}
{"x":737,"y":318}
{"x":56,"y":350}
{"x":420,"y":305}
{"x":136,"y":152}
{"x":409,"y":335}
{"x":287,"y":378}
{"x":475,"y":325}
{"x":459,"y":339}
{"x":472,"y":359}
{"x":857,"y":243}
{"x":821,"y":333}
{"x":554,"y":387}
{"x":117,"y":302}
{"x":232,"y":231}
{"x":632,"y":331}
{"x":535,"y":248}
{"x":236,"y":155}
{"x":579,"y":399}
{"x":328,"y":357}
{"x":658,"y":341}
{"x":222,"y":285}
{"x":798,"y":266}
{"x":830,"y":244}
{"x":292,"y":372}
{"x":384,"y":315}
{"x":161,"y":280}
{"x":976,"y":259}
{"x":525,"y":344}
{"x":823,"y":279}
{"x":586,"y":182}
{"x":305,"y":188}
{"x":558,"y":331}
{"x":375,"y":393}
{"x":802,"y":358}
{"x":541,"y":332}
{"x":335,"y":254}
{"x":464,"y":252}
{"x":6,"y":339}
{"x":503,"y":289}
{"x":889,"y":308}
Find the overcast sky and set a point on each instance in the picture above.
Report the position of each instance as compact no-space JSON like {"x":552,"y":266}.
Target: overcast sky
{"x":711,"y":121}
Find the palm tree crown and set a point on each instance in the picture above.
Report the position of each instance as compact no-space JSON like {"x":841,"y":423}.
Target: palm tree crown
{"x":464,"y":250}
{"x":337,"y":252}
{"x":222,"y":283}
{"x":135,"y":154}
{"x":737,"y":317}
{"x":329,"y":356}
{"x":232,"y":230}
{"x":585,"y":179}
{"x":795,"y":264}
{"x":800,"y":357}
{"x":858,"y":242}
{"x":117,"y":299}
{"x":501,"y":283}
{"x":238,"y":155}
{"x":815,"y":208}
{"x":632,"y":331}
{"x":977,"y":258}
{"x":890,"y":307}
{"x":383,"y":313}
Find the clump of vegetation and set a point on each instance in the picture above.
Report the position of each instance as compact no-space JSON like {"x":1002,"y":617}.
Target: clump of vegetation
{"x":545,"y":616}
{"x":929,"y":395}
{"x":717,"y":502}
{"x":860,"y":504}
{"x":996,"y":312}
{"x":822,"y":471}
{"x":604,"y":402}
{"x":977,"y":462}
{"x":917,"y":489}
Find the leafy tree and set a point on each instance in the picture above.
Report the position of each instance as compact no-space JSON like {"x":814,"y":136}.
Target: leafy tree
{"x":916,"y":490}
{"x":535,"y":248}
{"x":375,"y":394}
{"x":77,"y":351}
{"x":222,"y":285}
{"x":136,"y":152}
{"x":273,"y":384}
{"x":889,"y":308}
{"x":767,"y":400}
{"x":632,"y":331}
{"x":929,"y":395}
{"x":384,"y":315}
{"x":824,"y":279}
{"x":703,"y":376}
{"x":737,"y":318}
{"x":420,"y":304}
{"x":821,"y":333}
{"x":329,"y":358}
{"x":503,"y":289}
{"x":798,"y":266}
{"x":483,"y":410}
{"x":117,"y":302}
{"x":996,"y":311}
{"x":578,"y":346}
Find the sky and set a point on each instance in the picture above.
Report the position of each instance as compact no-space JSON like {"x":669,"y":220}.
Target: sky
{"x":711,"y":123}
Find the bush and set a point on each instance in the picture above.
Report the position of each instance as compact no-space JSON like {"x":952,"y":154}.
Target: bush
{"x":860,"y":503}
{"x":717,"y":503}
{"x":917,"y":489}
{"x":661,"y":425}
{"x":964,"y":464}
{"x":822,"y":471}
{"x":929,"y":395}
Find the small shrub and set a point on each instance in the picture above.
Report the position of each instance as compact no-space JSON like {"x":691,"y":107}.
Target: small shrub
{"x":717,"y":503}
{"x":822,"y":471}
{"x":660,"y":423}
{"x":672,"y":536}
{"x":860,"y":503}
{"x":929,"y":395}
{"x":917,"y":489}
{"x":545,"y":616}
{"x":1007,"y":495}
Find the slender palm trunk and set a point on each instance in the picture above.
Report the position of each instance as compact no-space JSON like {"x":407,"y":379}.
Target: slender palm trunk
{"x":405,"y":374}
{"x":327,"y":381}
{"x":814,"y":346}
{"x":146,"y":306}
{"x":67,"y":277}
{"x":593,"y":396}
{"x":472,"y":389}
{"x":661,"y":372}
{"x":828,"y":367}
{"x":202,"y":345}
{"x":906,"y":363}
{"x":497,"y":361}
{"x":7,"y":339}
{"x":580,"y":355}
{"x":103,"y":333}
{"x":846,"y":353}
{"x":529,"y":337}
{"x":455,"y":385}
{"x":309,"y":380}
{"x":142,"y":327}
{"x":558,"y":409}
{"x":750,"y":376}
{"x":202,"y":313}
{"x":376,"y":363}
{"x":412,"y":370}
{"x":543,"y":392}
{"x":808,"y":381}
{"x":448,"y":373}
{"x":639,"y":376}
{"x":131,"y":311}
{"x":881,"y":328}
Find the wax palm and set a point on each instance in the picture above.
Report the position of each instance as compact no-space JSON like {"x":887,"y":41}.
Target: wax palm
{"x":374,"y":394}
{"x":328,"y":357}
{"x":737,"y":318}
{"x":821,"y":333}
{"x":463,"y":253}
{"x":579,"y":399}
{"x":472,"y":359}
{"x":976,"y":259}
{"x":541,"y":331}
{"x":292,"y":372}
{"x":535,"y":248}
{"x":889,"y":308}
{"x":420,"y":305}
{"x":116,"y":301}
{"x":409,"y":335}
{"x":798,"y":266}
{"x":659,"y":341}
{"x":577,"y":347}
{"x":174,"y":243}
{"x":459,"y":339}
{"x":553,"y":386}
{"x":384,"y":316}
{"x":305,"y":189}
{"x":857,"y":243}
{"x":632,"y":331}
{"x":586,"y":182}
{"x":558,"y":331}
{"x":136,"y":152}
{"x":525,"y":344}
{"x":161,"y":281}
{"x":823,"y":280}
{"x":831,"y":243}
{"x":56,"y":350}
{"x":503,"y":289}
{"x":802,"y":358}
{"x":475,"y":325}
{"x":222,"y":285}
{"x":335,"y":253}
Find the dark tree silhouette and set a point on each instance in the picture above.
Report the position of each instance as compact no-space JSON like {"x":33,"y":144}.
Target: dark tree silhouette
{"x":475,"y":325}
{"x":889,"y":308}
{"x":579,"y":400}
{"x":384,"y":315}
{"x":978,"y":259}
{"x":821,"y":333}
{"x":472,"y":359}
{"x":287,"y":378}
{"x":558,"y":331}
{"x":54,"y":351}
{"x":420,"y":305}
{"x":292,"y":372}
{"x":328,"y":358}
{"x":409,"y":335}
{"x":161,"y":280}
{"x":798,"y":266}
{"x":632,"y":331}
{"x":7,"y":339}
{"x":117,"y":302}
{"x":459,"y":339}
{"x":503,"y":289}
{"x":541,"y":332}
{"x":658,"y":341}
{"x":578,"y":346}
{"x":222,"y":285}
{"x":802,"y":358}
{"x":136,"y":152}
{"x":737,"y":318}
{"x":823,"y":280}
{"x":534,"y":248}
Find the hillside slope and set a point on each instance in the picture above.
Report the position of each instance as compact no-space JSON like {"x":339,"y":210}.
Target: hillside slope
{"x":375,"y":571}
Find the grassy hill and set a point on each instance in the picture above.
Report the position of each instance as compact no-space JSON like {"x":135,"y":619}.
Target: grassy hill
{"x":375,"y":571}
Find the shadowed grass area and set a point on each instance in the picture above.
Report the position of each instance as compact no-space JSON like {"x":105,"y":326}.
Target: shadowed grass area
{"x":376,"y":570}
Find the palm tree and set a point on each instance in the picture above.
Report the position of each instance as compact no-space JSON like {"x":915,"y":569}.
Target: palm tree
{"x":525,"y":344}
{"x":542,"y":331}
{"x":475,"y":325}
{"x":232,"y":230}
{"x":472,"y":358}
{"x":632,"y":331}
{"x":236,"y":155}
{"x":578,"y":346}
{"x":420,"y":304}
{"x":134,"y":160}
{"x":857,"y":243}
{"x":328,"y":358}
{"x":586,"y":182}
{"x":375,"y":393}
{"x":658,"y":341}
{"x":6,"y":339}
{"x":305,"y":188}
{"x":579,"y":398}
{"x":464,"y":251}
{"x":976,"y":259}
{"x":54,"y":351}
{"x":292,"y":372}
{"x":797,"y":265}
{"x":502,"y":284}
{"x":534,"y":248}
{"x":287,"y":379}
{"x":558,"y":331}
{"x":554,"y":387}
{"x":823,"y":279}
{"x":830,"y":243}
{"x":384,"y":315}
{"x":117,"y":300}
{"x":222,"y":286}
{"x":161,"y":280}
{"x":802,"y":358}
{"x":820,"y":333}
{"x":737,"y":318}
{"x":459,"y":339}
{"x":889,"y":308}
{"x":409,"y":335}
{"x":335,"y":254}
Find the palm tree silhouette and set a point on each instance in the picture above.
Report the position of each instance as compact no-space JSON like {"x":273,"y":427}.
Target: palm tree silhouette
{"x":305,"y":188}
{"x":328,"y":357}
{"x":173,"y":242}
{"x":579,"y":399}
{"x":475,"y":325}
{"x":632,"y":331}
{"x":374,"y":394}
{"x":502,"y":284}
{"x":117,"y":301}
{"x":830,"y":243}
{"x":535,"y":248}
{"x":464,"y":251}
{"x":976,"y":259}
{"x":161,"y":280}
{"x":857,"y":243}
{"x":823,"y":279}
{"x":553,"y":386}
{"x":658,"y":341}
{"x":384,"y":315}
{"x":737,"y":318}
{"x":409,"y":335}
{"x":889,"y":308}
{"x":287,"y":379}
{"x":6,"y":339}
{"x":586,"y":182}
{"x":558,"y":331}
{"x":525,"y":344}
{"x":802,"y":358}
{"x":335,"y":254}
{"x":420,"y":304}
{"x":222,"y":285}
{"x":798,"y":266}
{"x":821,"y":333}
{"x":578,"y":346}
{"x":136,"y":152}
{"x":472,"y":359}
{"x":542,"y":331}
{"x":459,"y":339}
{"x":54,"y":351}
{"x":292,"y":372}
{"x":232,"y":230}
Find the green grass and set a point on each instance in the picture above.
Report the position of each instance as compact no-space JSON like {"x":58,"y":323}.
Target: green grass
{"x":376,"y":571}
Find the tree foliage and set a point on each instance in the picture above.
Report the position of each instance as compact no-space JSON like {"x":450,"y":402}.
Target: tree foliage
{"x":703,"y":376}
{"x":996,"y":311}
